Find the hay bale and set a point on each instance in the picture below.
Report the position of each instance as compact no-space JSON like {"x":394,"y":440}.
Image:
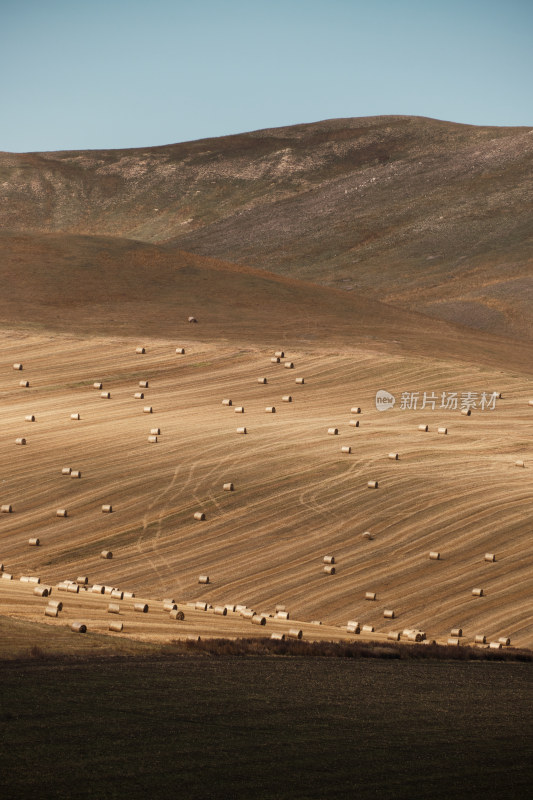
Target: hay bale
{"x":294,"y":633}
{"x":180,"y":351}
{"x":230,"y":607}
{"x":466,"y":412}
{"x":200,"y":605}
{"x":270,"y":410}
{"x":490,"y":557}
{"x":315,"y":622}
{"x":367,"y":535}
{"x":7,"y":576}
{"x":7,"y":508}
{"x":107,"y":508}
{"x":220,"y":611}
{"x":346,"y":448}
{"x":113,"y":608}
{"x":228,"y":487}
{"x":240,"y":607}
{"x":495,"y":646}
{"x":443,"y":431}
{"x":138,"y":395}
{"x":415,"y":636}
{"x":50,"y":611}
{"x":129,"y":595}
{"x":434,"y":555}
{"x":279,"y":354}
{"x":388,"y":613}
{"x":257,"y":619}
{"x":117,"y":594}
{"x":504,"y":640}
{"x":204,"y":579}
{"x":66,"y":470}
{"x":477,"y":592}
{"x":329,"y":570}
{"x":333,"y":431}
{"x":29,"y":418}
{"x":519,"y":463}
{"x":24,"y":384}
{"x":169,"y":600}
{"x":393,"y":636}
{"x":177,"y":615}
{"x":367,"y":629}
{"x":239,"y":410}
{"x":287,"y":398}
{"x":227,"y":402}
{"x":393,"y":456}
{"x":147,"y":410}
{"x":279,"y":637}
{"x":140,"y":350}
{"x":78,"y":627}
{"x":61,"y":512}
{"x":116,"y":627}
{"x":82,"y":580}
{"x":241,"y":430}
{"x":55,"y":603}
{"x":354,"y":423}
{"x":282,"y":615}
{"x":274,"y":360}
{"x":288,"y":365}
{"x":106,"y":395}
{"x":530,"y":402}
{"x":329,"y":559}
{"x":155,"y":431}
{"x":262,"y":380}
{"x":152,"y":439}
{"x":479,"y":638}
{"x":97,"y":385}
{"x":75,"y":416}
{"x":18,"y":367}
{"x":199,"y":515}
{"x":456,"y":632}
{"x":372,"y":484}
{"x":20,"y":440}
{"x":300,"y":381}
{"x":370,"y":595}
{"x":24,"y":579}
{"x":106,"y":554}
{"x":143,"y":384}
{"x":247,"y":613}
{"x":192,"y":320}
{"x":97,"y":588}
{"x":453,"y":641}
{"x":75,"y":473}
{"x":353,"y":626}
{"x":141,"y":608}
{"x":423,"y":428}
{"x":73,"y":588}
{"x":108,"y":589}
{"x":355,"y":410}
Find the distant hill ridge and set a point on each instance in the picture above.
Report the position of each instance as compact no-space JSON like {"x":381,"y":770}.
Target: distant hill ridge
{"x":428,"y":215}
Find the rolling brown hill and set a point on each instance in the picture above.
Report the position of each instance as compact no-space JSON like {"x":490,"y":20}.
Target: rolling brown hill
{"x":429,"y":215}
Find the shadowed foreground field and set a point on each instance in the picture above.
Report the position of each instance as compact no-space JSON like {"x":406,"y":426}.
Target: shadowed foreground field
{"x":269,"y":728}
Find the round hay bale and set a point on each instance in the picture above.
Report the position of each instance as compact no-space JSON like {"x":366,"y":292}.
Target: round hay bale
{"x":279,"y":354}
{"x":490,"y":557}
{"x":143,"y":384}
{"x":370,"y":595}
{"x":274,"y":360}
{"x":24,"y":579}
{"x":282,"y":615}
{"x":152,"y":439}
{"x":280,"y":607}
{"x":247,"y":613}
{"x":73,"y":588}
{"x":17,"y":366}
{"x":51,"y":611}
{"x":414,"y":636}
{"x":41,"y":591}
{"x":155,"y":431}
{"x":262,"y":380}
{"x":294,"y":633}
{"x":129,"y":595}
{"x":7,"y":576}
{"x":75,"y":473}
{"x":287,"y":398}
{"x":300,"y":381}
{"x":355,"y":410}
{"x":141,"y":608}
{"x":228,"y":487}
{"x":279,"y":637}
{"x":117,"y":594}
{"x":29,"y":418}
{"x":495,"y":646}
{"x":519,"y":463}
{"x":367,"y":535}
{"x":270,"y":409}
{"x":97,"y":588}
{"x":329,"y":570}
{"x":240,"y":607}
{"x":7,"y":508}
{"x":257,"y":619}
{"x":78,"y":627}
{"x":353,"y":626}
{"x":140,"y":350}
{"x":434,"y":555}
{"x":466,"y":412}
{"x":55,"y":603}
{"x":479,"y":638}
{"x":388,"y":613}
{"x":329,"y":559}
{"x":477,"y":592}
{"x":288,"y":365}
{"x":25,"y":384}
{"x":393,"y":456}
{"x":530,"y":402}
{"x":177,"y":614}
{"x":454,"y":641}
{"x":456,"y":632}
{"x":393,"y":636}
{"x":139,"y":395}
{"x":333,"y":431}
{"x":443,"y":431}
{"x":200,"y":605}
{"x":61,"y":512}
{"x":192,"y":320}
{"x":107,"y":508}
{"x":423,"y":428}
{"x":221,"y":611}
{"x":97,"y":385}
{"x":108,"y":589}
{"x":106,"y":395}
{"x":367,"y":629}
{"x":75,"y":416}
{"x":34,"y":541}
{"x":147,"y":410}
{"x":199,"y":515}
{"x":372,"y":484}
{"x":203,"y":579}
{"x":82,"y":580}
{"x":106,"y":554}
{"x":346,"y":448}
{"x":354,"y":423}
{"x":180,"y":351}
{"x":504,"y":640}
{"x":66,"y":470}
{"x":62,"y":586}
{"x":113,"y":608}
{"x":20,"y":440}
{"x":230,"y":607}
{"x":227,"y":402}
{"x":241,"y":430}
{"x":116,"y":627}
{"x":239,"y":410}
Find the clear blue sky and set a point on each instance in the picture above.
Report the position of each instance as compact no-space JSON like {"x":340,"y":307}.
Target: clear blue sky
{"x":79,"y":74}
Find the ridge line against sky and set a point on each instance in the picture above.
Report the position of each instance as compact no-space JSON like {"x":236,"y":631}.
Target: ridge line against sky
{"x":131,"y":73}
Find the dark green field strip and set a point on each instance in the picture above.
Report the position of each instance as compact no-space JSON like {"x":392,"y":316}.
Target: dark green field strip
{"x":266,"y":728}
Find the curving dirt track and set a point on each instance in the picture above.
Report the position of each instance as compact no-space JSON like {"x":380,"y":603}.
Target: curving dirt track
{"x":297,"y":498}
